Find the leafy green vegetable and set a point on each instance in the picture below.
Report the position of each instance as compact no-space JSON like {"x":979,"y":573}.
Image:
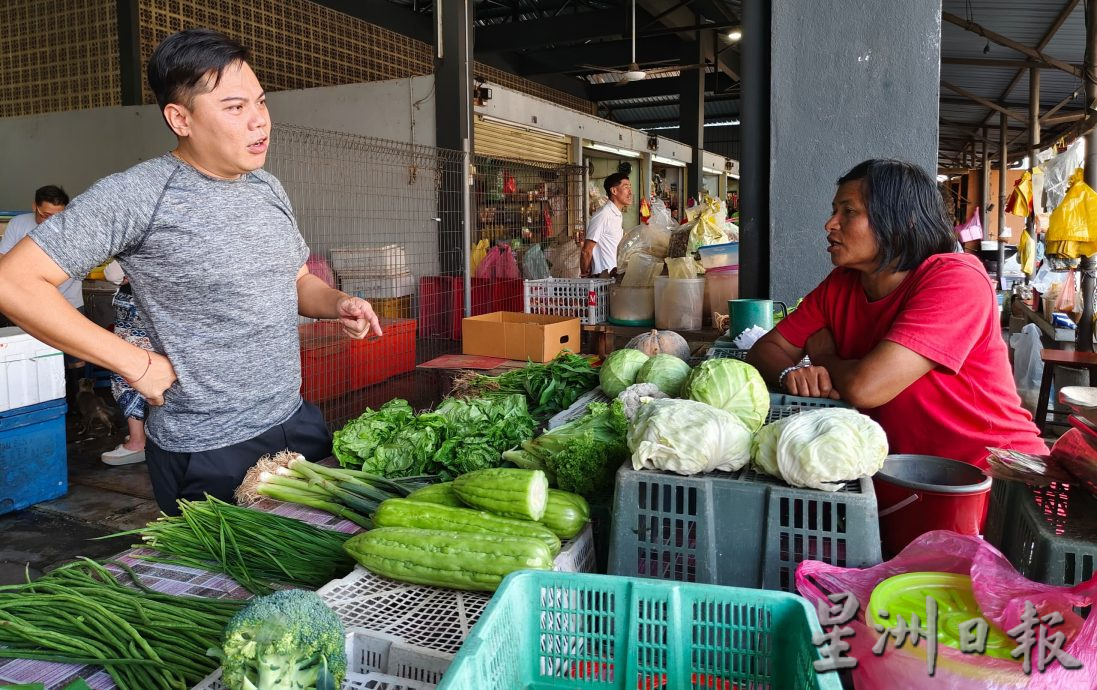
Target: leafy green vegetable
{"x":581,"y":456}
{"x":731,"y":385}
{"x":458,"y":437}
{"x":687,"y":437}
{"x":665,"y":371}
{"x":619,"y":370}
{"x":549,"y":387}
{"x":823,"y":449}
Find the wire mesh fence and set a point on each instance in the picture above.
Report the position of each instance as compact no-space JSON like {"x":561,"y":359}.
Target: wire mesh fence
{"x":384,"y":221}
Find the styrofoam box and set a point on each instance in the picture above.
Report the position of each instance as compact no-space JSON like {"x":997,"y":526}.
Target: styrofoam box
{"x":370,"y":286}
{"x":376,"y":660}
{"x":31,"y":372}
{"x":388,"y":260}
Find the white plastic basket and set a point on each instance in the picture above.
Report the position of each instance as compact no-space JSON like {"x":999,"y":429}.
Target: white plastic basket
{"x":432,"y":617}
{"x":586,"y":299}
{"x":578,"y":408}
{"x":376,"y":661}
{"x":379,"y":261}
{"x":369,"y":286}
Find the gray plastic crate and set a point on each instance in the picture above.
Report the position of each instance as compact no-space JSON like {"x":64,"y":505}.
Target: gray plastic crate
{"x":1048,"y":533}
{"x":742,"y":529}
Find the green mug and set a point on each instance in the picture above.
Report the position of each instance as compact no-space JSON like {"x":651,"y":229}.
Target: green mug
{"x":745,"y":313}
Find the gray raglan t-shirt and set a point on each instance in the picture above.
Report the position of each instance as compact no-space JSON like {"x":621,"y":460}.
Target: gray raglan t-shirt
{"x":213,"y":264}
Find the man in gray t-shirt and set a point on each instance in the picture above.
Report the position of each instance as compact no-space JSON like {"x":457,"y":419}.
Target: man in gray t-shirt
{"x":217,"y":264}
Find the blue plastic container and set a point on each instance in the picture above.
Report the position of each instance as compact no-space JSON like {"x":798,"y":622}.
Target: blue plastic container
{"x":33,"y":458}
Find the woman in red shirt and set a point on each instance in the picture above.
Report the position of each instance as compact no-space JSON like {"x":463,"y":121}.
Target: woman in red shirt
{"x":904,"y":328}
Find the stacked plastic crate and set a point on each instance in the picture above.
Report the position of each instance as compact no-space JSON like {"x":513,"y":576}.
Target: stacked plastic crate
{"x":377,"y":274}
{"x":33,"y":465}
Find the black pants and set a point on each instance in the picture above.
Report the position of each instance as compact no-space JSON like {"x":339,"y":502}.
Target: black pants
{"x":218,"y":472}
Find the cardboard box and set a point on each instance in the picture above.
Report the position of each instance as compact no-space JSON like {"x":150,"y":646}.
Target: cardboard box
{"x":516,"y":335}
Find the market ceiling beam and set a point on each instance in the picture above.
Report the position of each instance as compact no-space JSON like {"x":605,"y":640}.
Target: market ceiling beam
{"x":985,"y":102}
{"x":541,"y":33}
{"x":651,"y":88}
{"x":998,"y":62}
{"x":386,"y":14}
{"x":1010,"y":43}
{"x":613,"y":54}
{"x":680,"y":16}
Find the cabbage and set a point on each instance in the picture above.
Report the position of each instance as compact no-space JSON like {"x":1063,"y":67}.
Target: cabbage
{"x":687,"y":437}
{"x":763,"y":448}
{"x":823,"y":448}
{"x":618,"y":372}
{"x":665,"y":371}
{"x":731,"y":385}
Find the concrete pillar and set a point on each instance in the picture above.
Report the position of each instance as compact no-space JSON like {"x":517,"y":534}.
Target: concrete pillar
{"x":691,"y":113}
{"x":754,"y":161}
{"x":1089,"y":263}
{"x":1003,"y":173}
{"x":831,"y":104}
{"x":453,"y":125}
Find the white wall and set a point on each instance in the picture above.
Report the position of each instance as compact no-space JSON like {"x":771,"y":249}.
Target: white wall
{"x":74,"y":149}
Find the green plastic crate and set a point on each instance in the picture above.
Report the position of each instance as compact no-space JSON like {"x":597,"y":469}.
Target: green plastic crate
{"x":547,"y":630}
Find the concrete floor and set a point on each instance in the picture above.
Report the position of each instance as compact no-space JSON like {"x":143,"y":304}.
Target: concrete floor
{"x":103,"y":500}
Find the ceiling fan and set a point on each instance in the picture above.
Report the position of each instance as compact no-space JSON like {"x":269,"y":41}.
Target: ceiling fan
{"x":634,"y":73}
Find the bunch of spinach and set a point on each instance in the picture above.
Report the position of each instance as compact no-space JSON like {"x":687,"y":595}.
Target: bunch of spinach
{"x":457,"y":437}
{"x":548,"y":388}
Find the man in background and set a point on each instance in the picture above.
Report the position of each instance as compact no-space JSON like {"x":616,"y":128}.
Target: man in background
{"x":604,"y":231}
{"x":48,"y":201}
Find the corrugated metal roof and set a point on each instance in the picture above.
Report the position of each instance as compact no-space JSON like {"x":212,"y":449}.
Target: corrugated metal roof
{"x":1025,"y":21}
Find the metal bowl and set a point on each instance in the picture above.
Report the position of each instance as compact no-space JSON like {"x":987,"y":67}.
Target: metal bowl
{"x":1082,"y":401}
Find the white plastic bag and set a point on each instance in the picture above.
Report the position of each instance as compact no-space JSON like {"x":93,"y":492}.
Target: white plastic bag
{"x":1027,"y":366}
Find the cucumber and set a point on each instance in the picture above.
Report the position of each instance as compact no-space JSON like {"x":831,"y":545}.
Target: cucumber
{"x":504,"y":491}
{"x":458,"y":560}
{"x":442,"y":494}
{"x":565,"y":513}
{"x":402,"y":512}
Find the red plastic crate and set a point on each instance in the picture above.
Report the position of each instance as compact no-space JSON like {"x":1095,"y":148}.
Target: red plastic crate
{"x":442,"y":302}
{"x":333,"y":364}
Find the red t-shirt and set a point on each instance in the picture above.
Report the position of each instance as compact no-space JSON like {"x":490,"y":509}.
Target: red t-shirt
{"x":944,"y":310}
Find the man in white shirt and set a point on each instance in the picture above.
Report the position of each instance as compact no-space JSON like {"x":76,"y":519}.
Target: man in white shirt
{"x":604,"y":231}
{"x":48,"y":201}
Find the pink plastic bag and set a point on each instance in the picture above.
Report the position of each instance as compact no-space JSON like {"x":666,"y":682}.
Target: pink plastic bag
{"x":499,"y":264}
{"x":970,"y":230}
{"x":319,"y":267}
{"x":1001,"y":593}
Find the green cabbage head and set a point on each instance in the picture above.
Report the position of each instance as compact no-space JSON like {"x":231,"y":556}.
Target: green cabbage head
{"x":763,"y":448}
{"x":731,"y":385}
{"x":619,"y":370}
{"x":665,"y":371}
{"x":824,"y":448}
{"x":687,"y":437}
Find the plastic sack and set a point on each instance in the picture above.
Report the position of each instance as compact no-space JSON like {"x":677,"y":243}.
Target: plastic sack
{"x":971,"y":229}
{"x":1001,"y":593}
{"x":709,"y":228}
{"x":1020,"y":199}
{"x":641,"y":270}
{"x":660,"y":215}
{"x":563,"y":258}
{"x":643,"y":239}
{"x":684,"y":267}
{"x":1058,"y":171}
{"x":534,"y":266}
{"x":1026,"y":253}
{"x":1067,"y":294}
{"x":499,"y":264}
{"x":478,"y":254}
{"x":1068,"y":232}
{"x":1027,"y":366}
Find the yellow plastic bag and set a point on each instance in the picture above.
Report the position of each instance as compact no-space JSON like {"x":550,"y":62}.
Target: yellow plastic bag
{"x":1072,"y":231}
{"x":1026,"y":253}
{"x":478,"y":254}
{"x":1020,"y":201}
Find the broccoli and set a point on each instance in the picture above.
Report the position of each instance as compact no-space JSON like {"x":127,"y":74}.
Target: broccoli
{"x":581,"y":456}
{"x":289,"y":640}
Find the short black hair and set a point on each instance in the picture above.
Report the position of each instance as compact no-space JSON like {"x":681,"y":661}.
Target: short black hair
{"x":184,"y":59}
{"x":613,"y":180}
{"x":905,"y":211}
{"x":51,"y":194}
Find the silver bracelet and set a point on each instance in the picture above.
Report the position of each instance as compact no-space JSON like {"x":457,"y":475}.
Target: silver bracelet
{"x":784,"y":373}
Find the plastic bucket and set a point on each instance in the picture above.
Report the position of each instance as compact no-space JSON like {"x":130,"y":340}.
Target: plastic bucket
{"x":916,"y":494}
